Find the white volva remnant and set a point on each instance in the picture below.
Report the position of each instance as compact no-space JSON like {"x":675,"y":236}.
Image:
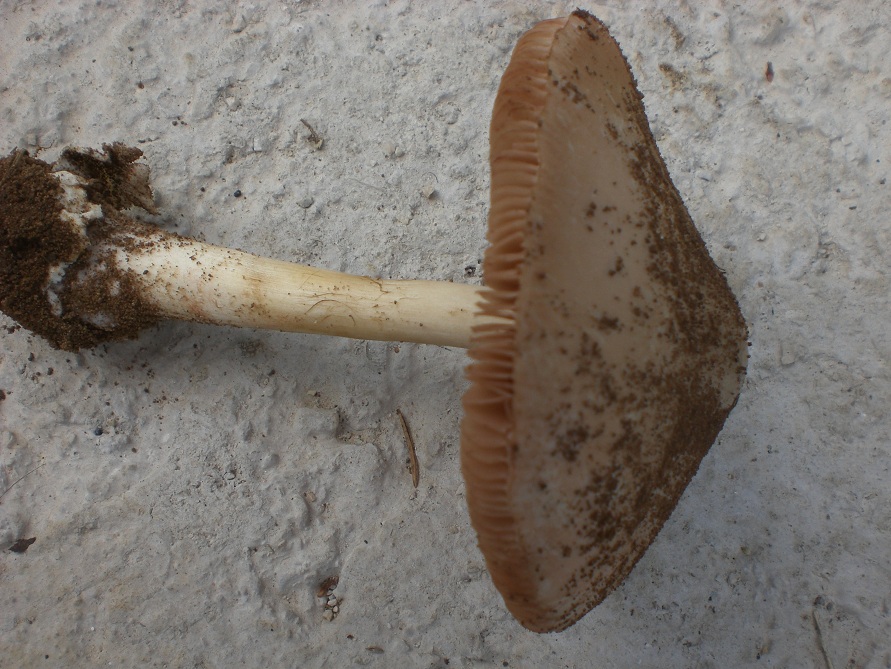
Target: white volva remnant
{"x":77,"y":210}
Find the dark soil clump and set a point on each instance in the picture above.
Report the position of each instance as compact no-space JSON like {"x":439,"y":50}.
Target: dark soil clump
{"x":35,"y":238}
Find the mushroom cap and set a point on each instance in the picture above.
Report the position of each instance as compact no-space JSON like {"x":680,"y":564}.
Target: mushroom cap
{"x":589,"y":413}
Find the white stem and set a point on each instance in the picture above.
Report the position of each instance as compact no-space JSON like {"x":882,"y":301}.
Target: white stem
{"x":188,"y":280}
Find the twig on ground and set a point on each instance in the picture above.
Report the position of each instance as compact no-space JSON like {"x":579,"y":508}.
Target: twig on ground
{"x":414,"y":467}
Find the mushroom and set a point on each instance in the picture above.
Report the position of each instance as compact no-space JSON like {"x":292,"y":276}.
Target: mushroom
{"x":607,"y":348}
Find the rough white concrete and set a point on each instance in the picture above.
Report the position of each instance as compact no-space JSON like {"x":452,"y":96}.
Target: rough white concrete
{"x":197,"y":486}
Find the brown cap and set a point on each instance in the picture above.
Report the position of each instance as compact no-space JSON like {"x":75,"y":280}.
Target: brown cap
{"x":589,"y":414}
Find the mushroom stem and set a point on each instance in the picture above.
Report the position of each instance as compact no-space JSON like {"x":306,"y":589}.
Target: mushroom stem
{"x":188,"y":280}
{"x":77,"y":270}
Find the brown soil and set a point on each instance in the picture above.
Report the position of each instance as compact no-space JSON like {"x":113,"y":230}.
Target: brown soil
{"x":34,"y":238}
